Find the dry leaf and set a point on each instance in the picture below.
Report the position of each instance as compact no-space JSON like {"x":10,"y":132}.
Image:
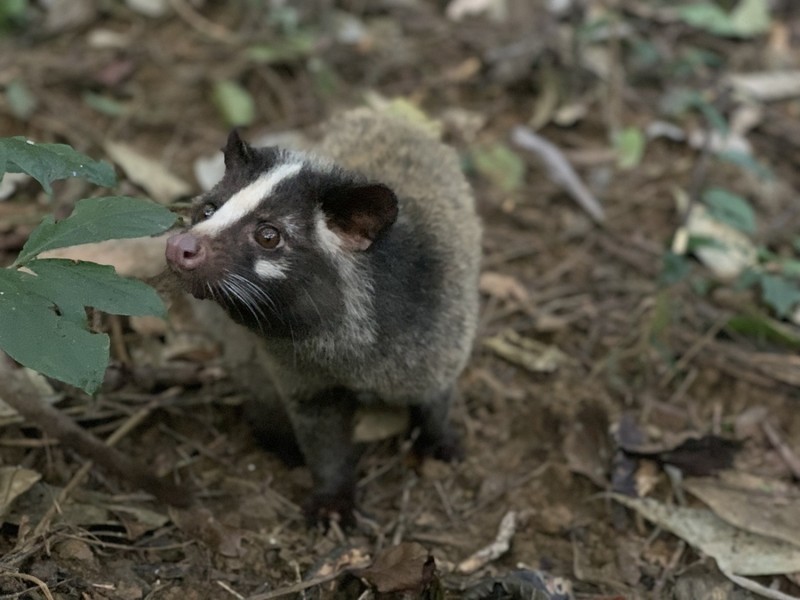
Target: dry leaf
{"x":526,"y":352}
{"x":735,"y":550}
{"x":15,"y":481}
{"x":587,"y":446}
{"x":162,"y":185}
{"x":200,"y":523}
{"x":74,"y":550}
{"x":501,"y":544}
{"x":405,"y":109}
{"x":39,"y":382}
{"x":730,"y":254}
{"x":134,"y":257}
{"x":9,"y":183}
{"x":396,"y":569}
{"x":502,"y":286}
{"x":374,"y":423}
{"x":767,"y":86}
{"x":761,"y":506}
{"x":497,"y":10}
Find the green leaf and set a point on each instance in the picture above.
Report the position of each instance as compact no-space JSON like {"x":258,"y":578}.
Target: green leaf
{"x":12,"y":12}
{"x":747,"y":279}
{"x":21,"y":101}
{"x":762,"y":327}
{"x":697,"y":242}
{"x":779,"y":293}
{"x":748,"y":19}
{"x":731,"y":209}
{"x":713,"y":116}
{"x":692,"y":62}
{"x":705,"y":15}
{"x":748,"y":162}
{"x":790,"y":267}
{"x":96,"y":220}
{"x":680,"y":100}
{"x":105,"y":104}
{"x":629,"y":144}
{"x":33,"y":334}
{"x":324,"y":79}
{"x":292,"y":48}
{"x":674,"y":268}
{"x":701,"y":285}
{"x":48,"y":162}
{"x":235,"y":103}
{"x":501,"y":165}
{"x":78,"y":283}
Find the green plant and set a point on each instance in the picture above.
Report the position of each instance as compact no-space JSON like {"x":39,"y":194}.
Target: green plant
{"x":43,"y":319}
{"x":776,"y":277}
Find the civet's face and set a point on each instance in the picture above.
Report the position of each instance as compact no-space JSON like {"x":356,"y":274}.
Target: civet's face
{"x":273,"y":239}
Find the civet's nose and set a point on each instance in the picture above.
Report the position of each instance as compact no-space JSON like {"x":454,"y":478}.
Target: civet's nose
{"x":185,"y":251}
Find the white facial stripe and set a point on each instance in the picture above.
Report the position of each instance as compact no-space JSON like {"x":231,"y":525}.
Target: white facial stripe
{"x":247,"y":199}
{"x":267,"y":269}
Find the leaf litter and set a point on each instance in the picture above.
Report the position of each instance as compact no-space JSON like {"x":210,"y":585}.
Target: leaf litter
{"x":537,"y":441}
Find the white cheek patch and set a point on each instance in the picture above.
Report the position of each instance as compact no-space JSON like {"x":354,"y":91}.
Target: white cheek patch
{"x":267,"y":269}
{"x":329,"y":241}
{"x":246,"y":200}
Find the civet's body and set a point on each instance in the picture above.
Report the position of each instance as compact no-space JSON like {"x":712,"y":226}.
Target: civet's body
{"x":358,"y":266}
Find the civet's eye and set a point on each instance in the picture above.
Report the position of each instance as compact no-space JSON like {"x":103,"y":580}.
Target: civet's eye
{"x":207,"y":210}
{"x":268,"y":237}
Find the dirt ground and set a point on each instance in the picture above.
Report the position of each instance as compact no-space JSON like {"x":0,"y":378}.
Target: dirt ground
{"x":620,"y":345}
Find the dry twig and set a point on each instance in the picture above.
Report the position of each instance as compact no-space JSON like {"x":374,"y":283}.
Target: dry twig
{"x":560,"y":170}
{"x":785,"y":452}
{"x":501,"y":544}
{"x":201,"y":24}
{"x":35,"y":580}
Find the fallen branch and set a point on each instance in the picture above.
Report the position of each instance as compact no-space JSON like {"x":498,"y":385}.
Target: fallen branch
{"x":22,"y":397}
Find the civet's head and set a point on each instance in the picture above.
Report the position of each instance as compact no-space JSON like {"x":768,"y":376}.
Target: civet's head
{"x":273,"y":240}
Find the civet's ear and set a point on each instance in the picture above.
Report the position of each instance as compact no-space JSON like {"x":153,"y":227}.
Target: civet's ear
{"x":238,"y":153}
{"x":359,"y":214}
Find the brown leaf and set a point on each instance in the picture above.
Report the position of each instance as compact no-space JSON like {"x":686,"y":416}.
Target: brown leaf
{"x":147,"y":172}
{"x":15,"y":481}
{"x":763,"y":506}
{"x":693,"y":454}
{"x":200,"y":524}
{"x":504,"y":287}
{"x":396,"y":569}
{"x":134,"y":257}
{"x":587,"y":445}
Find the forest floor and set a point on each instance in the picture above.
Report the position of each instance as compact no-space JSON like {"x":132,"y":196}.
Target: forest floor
{"x":611,"y":359}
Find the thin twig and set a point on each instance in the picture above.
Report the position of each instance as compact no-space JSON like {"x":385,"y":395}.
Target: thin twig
{"x":296,"y":587}
{"x":756,"y":587}
{"x":786,"y":454}
{"x":694,"y":350}
{"x":402,"y":518}
{"x":559,"y":169}
{"x":201,"y":24}
{"x":129,"y":425}
{"x":229,"y":589}
{"x":34,"y":580}
{"x":501,"y":544}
